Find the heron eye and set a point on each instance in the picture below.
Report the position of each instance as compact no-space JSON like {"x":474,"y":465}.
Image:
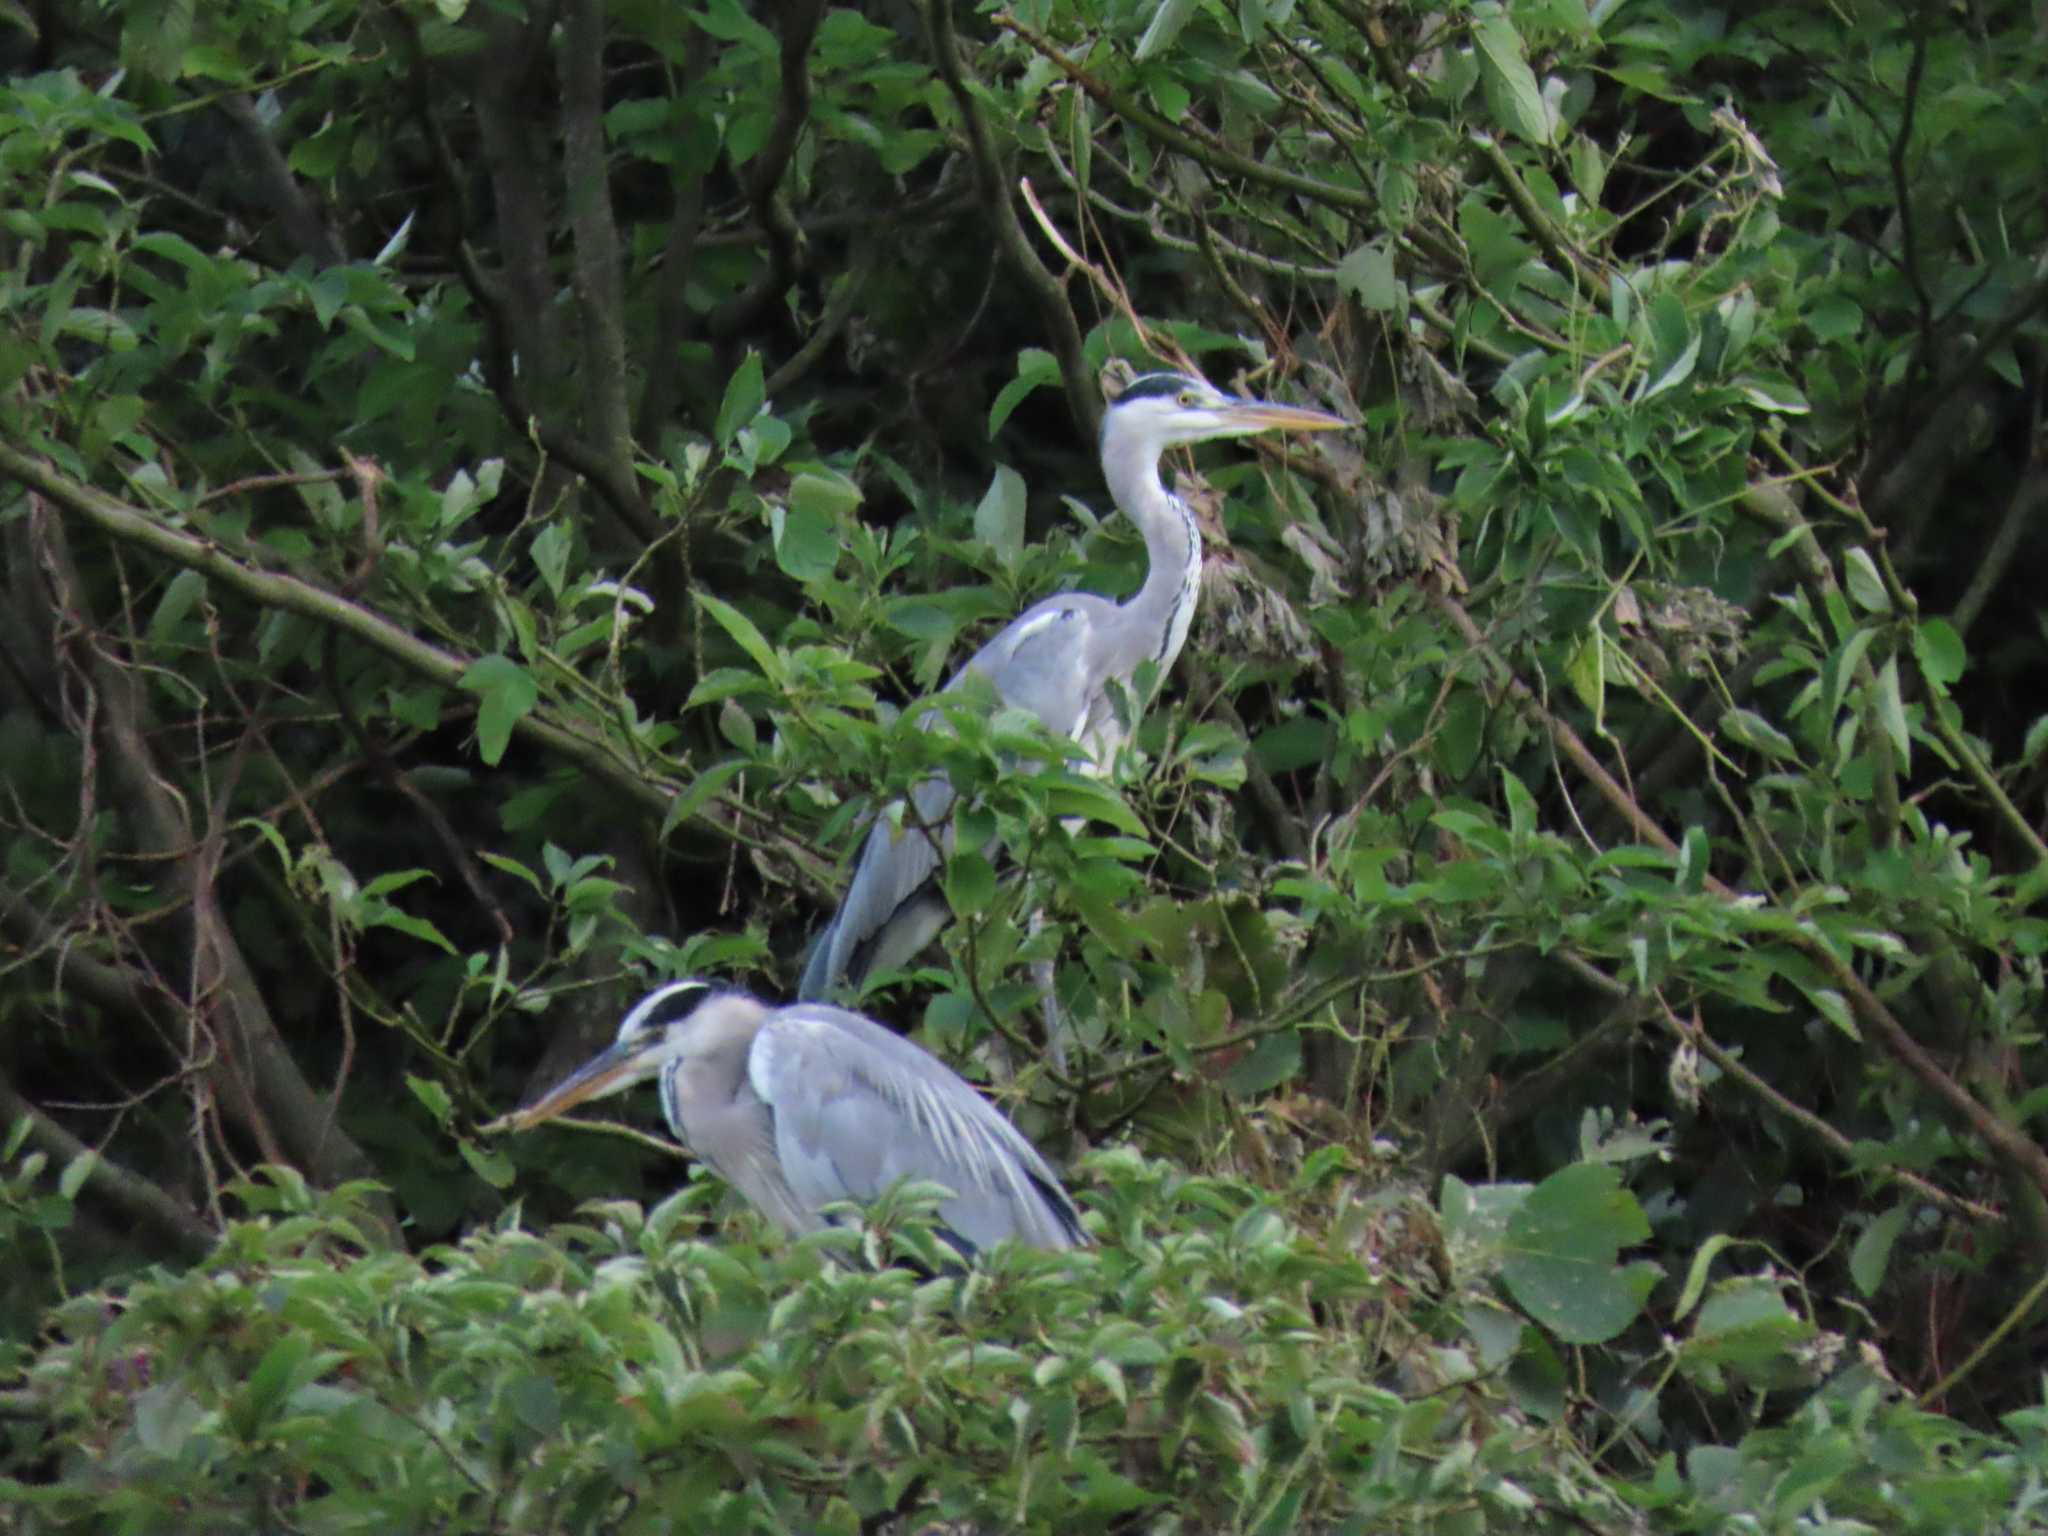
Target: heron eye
{"x":1189,"y":398}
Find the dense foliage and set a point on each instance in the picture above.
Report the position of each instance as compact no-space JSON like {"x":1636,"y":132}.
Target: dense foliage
{"x":1552,"y":989}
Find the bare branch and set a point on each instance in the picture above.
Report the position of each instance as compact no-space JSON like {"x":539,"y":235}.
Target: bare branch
{"x":1063,"y":331}
{"x":127,"y":1193}
{"x":295,"y":594}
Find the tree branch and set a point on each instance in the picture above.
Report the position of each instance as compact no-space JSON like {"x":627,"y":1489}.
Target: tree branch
{"x":799,"y":26}
{"x":600,"y":293}
{"x":504,"y":133}
{"x":128,"y":1194}
{"x":248,"y":1065}
{"x":1084,"y":399}
{"x":303,"y":226}
{"x":660,"y":391}
{"x":294,"y":594}
{"x":1209,"y":151}
{"x":2008,"y":1144}
{"x":2029,"y":499}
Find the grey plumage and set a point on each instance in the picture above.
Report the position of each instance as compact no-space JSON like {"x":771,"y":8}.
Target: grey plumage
{"x":1062,"y":659}
{"x":805,"y":1106}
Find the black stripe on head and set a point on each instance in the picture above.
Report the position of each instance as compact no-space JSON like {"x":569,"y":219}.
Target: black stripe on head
{"x":1153,"y":385}
{"x":665,"y":1005}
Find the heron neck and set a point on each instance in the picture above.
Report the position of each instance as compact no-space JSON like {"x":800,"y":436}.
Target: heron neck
{"x":1165,"y":605}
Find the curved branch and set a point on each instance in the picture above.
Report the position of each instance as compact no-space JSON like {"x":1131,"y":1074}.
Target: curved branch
{"x":294,"y":594}
{"x":1084,"y":399}
{"x":128,"y":1194}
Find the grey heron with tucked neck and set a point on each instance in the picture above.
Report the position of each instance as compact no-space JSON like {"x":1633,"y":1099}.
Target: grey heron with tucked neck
{"x":801,"y":1107}
{"x":1065,"y":659}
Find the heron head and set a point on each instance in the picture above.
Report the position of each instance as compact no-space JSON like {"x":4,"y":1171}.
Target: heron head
{"x":668,"y":1025}
{"x":1158,"y":411}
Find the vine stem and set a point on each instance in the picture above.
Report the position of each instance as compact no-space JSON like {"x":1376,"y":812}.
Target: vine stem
{"x":2021,"y":1310}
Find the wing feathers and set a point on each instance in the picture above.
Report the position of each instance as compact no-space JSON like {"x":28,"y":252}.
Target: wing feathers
{"x":858,"y":1108}
{"x":1051,"y":660}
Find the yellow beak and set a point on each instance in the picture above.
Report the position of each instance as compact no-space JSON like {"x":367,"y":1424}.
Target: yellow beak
{"x":608,"y":1072}
{"x":1267,"y":416}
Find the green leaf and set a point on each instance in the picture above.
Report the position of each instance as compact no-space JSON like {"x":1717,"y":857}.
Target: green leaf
{"x":1368,"y":275}
{"x":1035,"y":367}
{"x":268,"y":1383}
{"x":737,"y":726}
{"x":512,"y":867}
{"x":1891,"y":713}
{"x":744,"y":634}
{"x":1747,"y":728}
{"x":1273,"y":1061}
{"x":404,"y":922}
{"x":693,"y":799}
{"x":745,"y":393}
{"x":183,"y":591}
{"x":536,"y":1402}
{"x":1587,"y":673}
{"x":1462,"y":733}
{"x":1872,"y":1253}
{"x":433,"y":1095}
{"x":490,"y":1165}
{"x":999,"y":520}
{"x":1834,"y":1008}
{"x":1512,"y":94}
{"x":1833,"y":317}
{"x":1073,"y":794}
{"x":1677,"y":368}
{"x":507,"y":693}
{"x":970,"y":883}
{"x":2036,"y":741}
{"x":550,"y":551}
{"x":1866,"y":586}
{"x":1167,"y":21}
{"x":1521,"y":807}
{"x":1696,"y":1276}
{"x":824,"y":493}
{"x":1775,"y":393}
{"x":807,"y":543}
{"x":1563,"y":1244}
{"x":76,"y":1172}
{"x":1940,"y":652}
{"x":1745,"y":1327}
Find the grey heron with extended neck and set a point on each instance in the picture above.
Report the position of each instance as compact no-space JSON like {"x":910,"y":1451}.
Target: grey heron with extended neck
{"x":801,"y":1107}
{"x":1064,"y":659}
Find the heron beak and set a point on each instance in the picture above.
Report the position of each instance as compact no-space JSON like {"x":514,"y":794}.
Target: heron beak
{"x":619,"y":1067}
{"x":1266,"y":416}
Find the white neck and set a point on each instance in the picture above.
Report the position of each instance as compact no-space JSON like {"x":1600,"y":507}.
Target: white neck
{"x":1165,"y":606}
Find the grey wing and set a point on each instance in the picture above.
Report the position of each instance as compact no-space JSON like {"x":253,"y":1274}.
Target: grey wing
{"x":1051,"y":659}
{"x":893,"y":906}
{"x":858,"y":1108}
{"x":1044,"y":660}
